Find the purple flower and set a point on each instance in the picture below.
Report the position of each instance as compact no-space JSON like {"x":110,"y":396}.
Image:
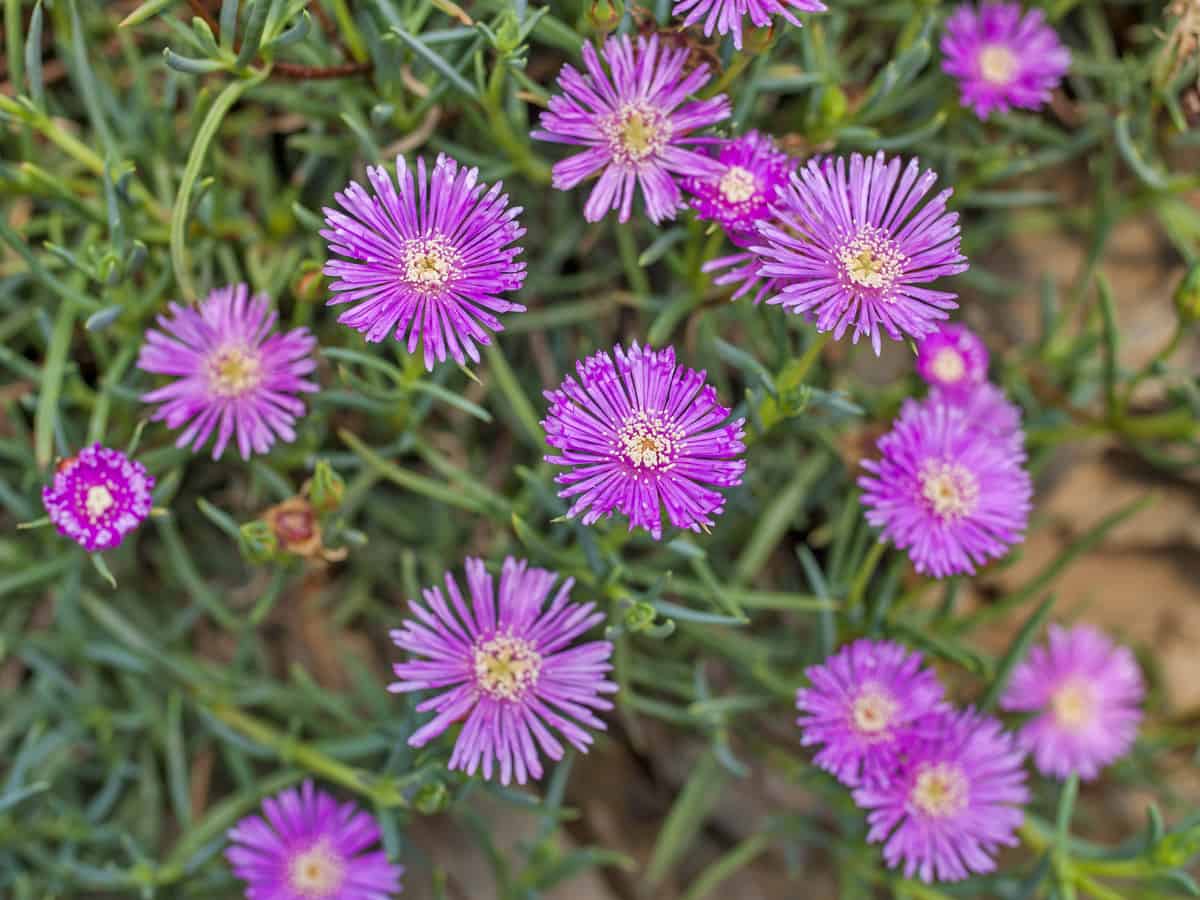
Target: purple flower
{"x":988,"y":410}
{"x":97,"y":497}
{"x":634,"y":126}
{"x":949,"y":493}
{"x":305,"y":846}
{"x":957,"y":799}
{"x":743,"y":269}
{"x":1087,"y":693}
{"x":232,"y":372}
{"x":954,"y":359}
{"x":867,"y":703}
{"x":429,"y":261}
{"x":754,"y":173}
{"x":726,"y":15}
{"x":850,"y":244}
{"x":506,"y":666}
{"x":1002,"y":58}
{"x":642,"y":434}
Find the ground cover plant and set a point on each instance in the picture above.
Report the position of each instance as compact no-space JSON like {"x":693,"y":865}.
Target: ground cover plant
{"x":593,"y":449}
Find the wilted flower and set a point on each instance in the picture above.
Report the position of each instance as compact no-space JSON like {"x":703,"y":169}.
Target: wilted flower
{"x":726,"y":15}
{"x":98,"y":496}
{"x":954,"y":359}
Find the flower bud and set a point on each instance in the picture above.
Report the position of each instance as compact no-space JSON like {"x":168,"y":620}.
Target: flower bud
{"x":258,"y":541}
{"x":1187,"y":296}
{"x":326,"y":488}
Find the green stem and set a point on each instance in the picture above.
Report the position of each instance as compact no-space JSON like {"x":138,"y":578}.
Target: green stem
{"x":809,"y":359}
{"x":52,"y":379}
{"x":859,"y":586}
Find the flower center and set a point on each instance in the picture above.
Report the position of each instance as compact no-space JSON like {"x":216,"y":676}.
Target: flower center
{"x":233,"y":371}
{"x":317,"y":873}
{"x":872,"y":259}
{"x":951,"y":489}
{"x":997,"y":64}
{"x":941,"y":790}
{"x":647,"y":440}
{"x":99,"y":501}
{"x":738,"y":185}
{"x":873,"y":710}
{"x":635,"y":133}
{"x":1073,"y":704}
{"x":428,"y":263}
{"x":506,"y":667}
{"x":948,"y":365}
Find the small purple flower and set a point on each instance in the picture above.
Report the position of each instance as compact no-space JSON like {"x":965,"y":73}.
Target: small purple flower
{"x":97,"y":497}
{"x":1087,"y":693}
{"x":954,"y":359}
{"x":987,"y":409}
{"x":957,"y":800}
{"x":1002,"y":58}
{"x":754,"y":173}
{"x":506,"y":666}
{"x":640,"y":435}
{"x":850,"y":245}
{"x":867,"y":703}
{"x":949,"y":493}
{"x":429,"y":261}
{"x":634,"y":125}
{"x":233,"y":372}
{"x":307,"y":846}
{"x":726,"y":15}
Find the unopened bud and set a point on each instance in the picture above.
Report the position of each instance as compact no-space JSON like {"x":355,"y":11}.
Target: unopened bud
{"x":258,"y":541}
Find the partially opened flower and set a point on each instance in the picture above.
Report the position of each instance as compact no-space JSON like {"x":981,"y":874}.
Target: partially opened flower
{"x":954,"y":359}
{"x":867,"y":703}
{"x":307,"y":846}
{"x":98,"y":496}
{"x":508,"y":667}
{"x":754,"y":173}
{"x":641,"y":435}
{"x":1003,"y":57}
{"x":428,"y":260}
{"x":634,"y":124}
{"x":1086,"y":694}
{"x":852,"y":245}
{"x":726,"y":15}
{"x":234,"y":373}
{"x":956,"y":801}
{"x":949,"y":493}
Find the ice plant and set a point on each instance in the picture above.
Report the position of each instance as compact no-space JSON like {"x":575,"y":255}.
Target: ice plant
{"x":852,"y":245}
{"x":867,"y":703}
{"x":98,"y":496}
{"x":428,"y":260}
{"x":951,"y":494}
{"x":957,"y":799}
{"x":307,"y":846}
{"x":505,"y":664}
{"x":1002,"y":57}
{"x":726,"y":15}
{"x":642,"y":434}
{"x":954,"y":359}
{"x":753,"y":174}
{"x":233,"y":372}
{"x":1086,"y":694}
{"x":988,"y":410}
{"x":634,"y":124}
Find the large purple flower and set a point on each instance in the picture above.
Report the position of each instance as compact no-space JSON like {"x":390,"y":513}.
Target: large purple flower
{"x":948,"y":492}
{"x":307,"y":846}
{"x":634,"y":125}
{"x":98,"y":496}
{"x":429,"y":261}
{"x":726,"y":15}
{"x":851,"y":246}
{"x":233,"y":372}
{"x":957,"y":800}
{"x":642,"y":434}
{"x":868,"y":702}
{"x":1002,"y":58}
{"x":505,"y":665}
{"x":1086,"y":693}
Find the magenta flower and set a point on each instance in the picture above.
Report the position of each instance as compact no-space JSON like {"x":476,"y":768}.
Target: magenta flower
{"x":634,"y":125}
{"x":949,"y":493}
{"x":988,"y":410}
{"x":306,"y":846}
{"x":954,"y":359}
{"x":851,"y":246}
{"x":97,"y":497}
{"x":640,"y":435}
{"x":868,"y":702}
{"x":743,"y":269}
{"x":430,"y":261}
{"x":957,"y":800}
{"x":1086,"y":693}
{"x":726,"y":15}
{"x":754,"y":173}
{"x":1002,"y":58}
{"x":506,"y":666}
{"x":233,"y":372}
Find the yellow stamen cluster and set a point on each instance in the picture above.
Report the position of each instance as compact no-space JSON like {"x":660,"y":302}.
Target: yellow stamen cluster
{"x":941,"y":790}
{"x":648,"y":440}
{"x":948,"y":365}
{"x":506,"y":667}
{"x":997,"y":64}
{"x":428,"y":263}
{"x":951,"y":489}
{"x":635,"y":133}
{"x":1073,"y":704}
{"x":738,"y":185}
{"x":317,"y":873}
{"x":872,"y":259}
{"x":99,"y":501}
{"x":873,"y":710}
{"x":234,"y":370}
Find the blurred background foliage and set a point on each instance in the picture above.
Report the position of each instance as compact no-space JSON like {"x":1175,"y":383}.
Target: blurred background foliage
{"x":154,"y":151}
